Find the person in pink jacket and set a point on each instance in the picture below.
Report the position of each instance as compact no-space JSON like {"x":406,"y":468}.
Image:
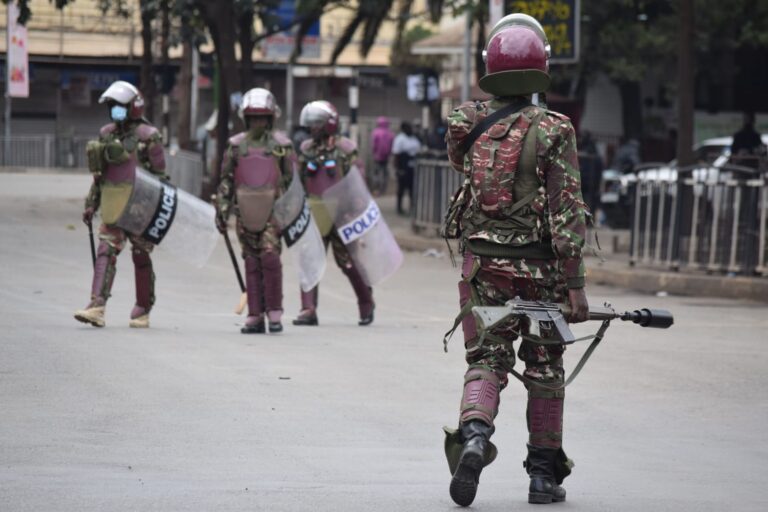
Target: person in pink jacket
{"x":381,"y":147}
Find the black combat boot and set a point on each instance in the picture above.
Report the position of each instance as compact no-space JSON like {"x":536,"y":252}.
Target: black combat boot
{"x":540,"y":465}
{"x":475,"y":435}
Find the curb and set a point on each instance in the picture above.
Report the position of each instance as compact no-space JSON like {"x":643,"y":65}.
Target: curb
{"x":638,"y":279}
{"x":675,"y":283}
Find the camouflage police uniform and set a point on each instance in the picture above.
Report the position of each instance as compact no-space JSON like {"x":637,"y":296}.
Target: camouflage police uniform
{"x":262,"y":248}
{"x":546,"y":235}
{"x":112,"y":160}
{"x":321,"y":165}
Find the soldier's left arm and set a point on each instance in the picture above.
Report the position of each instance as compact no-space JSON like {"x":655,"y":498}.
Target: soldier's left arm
{"x":151,"y":154}
{"x":567,"y":216}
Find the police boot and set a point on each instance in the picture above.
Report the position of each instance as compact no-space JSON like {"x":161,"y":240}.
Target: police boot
{"x":103,"y":275}
{"x":253,"y":325}
{"x":145,"y":289}
{"x":308,"y":314}
{"x":275,"y":325}
{"x":363,"y":292}
{"x":476,"y":435}
{"x":92,"y":314}
{"x":540,"y":465}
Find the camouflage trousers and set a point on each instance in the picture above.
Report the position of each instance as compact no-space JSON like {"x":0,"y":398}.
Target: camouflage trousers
{"x":491,"y":282}
{"x":112,"y":240}
{"x":255,"y":243}
{"x":263,"y":269}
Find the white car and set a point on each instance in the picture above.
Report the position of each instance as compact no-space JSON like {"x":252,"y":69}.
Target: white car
{"x":614,"y":185}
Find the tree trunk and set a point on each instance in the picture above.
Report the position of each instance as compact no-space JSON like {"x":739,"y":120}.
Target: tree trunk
{"x":219,"y":18}
{"x":185,"y":96}
{"x":247,"y":43}
{"x":631,"y":109}
{"x":147,"y":84}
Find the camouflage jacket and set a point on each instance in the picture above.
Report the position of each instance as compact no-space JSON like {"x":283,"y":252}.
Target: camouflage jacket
{"x":139,"y":139}
{"x":275,"y":143}
{"x":557,"y":212}
{"x":334,"y":155}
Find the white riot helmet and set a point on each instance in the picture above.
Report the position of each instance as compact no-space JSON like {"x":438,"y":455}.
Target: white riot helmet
{"x":320,"y":114}
{"x":125,"y":94}
{"x":259,"y":102}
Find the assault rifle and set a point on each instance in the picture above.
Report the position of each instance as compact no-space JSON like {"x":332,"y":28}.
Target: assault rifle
{"x":552,"y":317}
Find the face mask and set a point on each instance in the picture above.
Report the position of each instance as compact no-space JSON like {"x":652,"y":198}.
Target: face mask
{"x":118,"y":113}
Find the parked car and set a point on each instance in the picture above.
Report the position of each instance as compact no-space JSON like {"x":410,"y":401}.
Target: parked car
{"x":615,"y":202}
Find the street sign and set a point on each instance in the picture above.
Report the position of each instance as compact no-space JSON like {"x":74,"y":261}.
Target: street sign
{"x":422,"y":87}
{"x":561,"y":20}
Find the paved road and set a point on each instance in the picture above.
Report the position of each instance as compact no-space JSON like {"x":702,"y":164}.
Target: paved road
{"x":191,"y":415}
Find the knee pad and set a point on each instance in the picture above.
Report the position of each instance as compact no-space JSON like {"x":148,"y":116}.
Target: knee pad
{"x":480,"y":400}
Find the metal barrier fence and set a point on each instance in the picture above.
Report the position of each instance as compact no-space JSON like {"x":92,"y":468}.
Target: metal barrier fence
{"x":716,"y":221}
{"x":44,"y":151}
{"x":434,"y":184}
{"x":184,"y":168}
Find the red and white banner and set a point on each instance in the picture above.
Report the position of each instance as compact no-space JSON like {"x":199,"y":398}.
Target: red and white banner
{"x":17,"y":62}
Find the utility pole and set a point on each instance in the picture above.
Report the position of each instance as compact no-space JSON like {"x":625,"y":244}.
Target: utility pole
{"x":7,"y":118}
{"x":289,"y":99}
{"x":354,"y":103}
{"x":466,"y":67}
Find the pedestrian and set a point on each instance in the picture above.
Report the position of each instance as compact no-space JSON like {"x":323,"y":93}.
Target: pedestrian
{"x":522,"y":231}
{"x":591,"y":169}
{"x":257,"y":169}
{"x":324,"y":159}
{"x":405,"y":148}
{"x":126,"y":142}
{"x":747,"y":144}
{"x":381,"y":149}
{"x":627,"y":155}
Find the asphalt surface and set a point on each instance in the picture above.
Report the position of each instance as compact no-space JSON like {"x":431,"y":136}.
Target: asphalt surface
{"x":190,"y":415}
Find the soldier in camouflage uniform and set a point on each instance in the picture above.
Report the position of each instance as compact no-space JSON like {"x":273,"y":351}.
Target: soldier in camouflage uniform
{"x":258,"y":166}
{"x":129,"y":140}
{"x":324,"y":159}
{"x":522,"y":230}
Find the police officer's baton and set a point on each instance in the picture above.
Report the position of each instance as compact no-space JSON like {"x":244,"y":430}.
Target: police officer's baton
{"x":243,"y":298}
{"x":93,"y":245}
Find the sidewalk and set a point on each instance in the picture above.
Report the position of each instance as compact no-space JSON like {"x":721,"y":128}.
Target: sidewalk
{"x":613,"y":270}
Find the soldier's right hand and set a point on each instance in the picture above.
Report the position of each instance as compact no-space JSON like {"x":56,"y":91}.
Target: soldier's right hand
{"x":88,"y":216}
{"x":577,"y":298}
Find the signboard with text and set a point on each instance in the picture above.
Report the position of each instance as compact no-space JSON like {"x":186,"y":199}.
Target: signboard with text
{"x":561,"y":22}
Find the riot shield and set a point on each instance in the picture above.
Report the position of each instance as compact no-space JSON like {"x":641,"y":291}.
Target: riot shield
{"x":301,"y":234}
{"x":172,"y":218}
{"x":359,"y":223}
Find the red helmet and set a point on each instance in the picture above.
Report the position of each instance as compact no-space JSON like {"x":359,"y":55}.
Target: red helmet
{"x":125,"y":94}
{"x":259,"y":102}
{"x":320,"y":114}
{"x":517,"y":57}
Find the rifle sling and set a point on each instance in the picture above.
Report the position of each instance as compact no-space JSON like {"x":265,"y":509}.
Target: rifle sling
{"x":488,"y":121}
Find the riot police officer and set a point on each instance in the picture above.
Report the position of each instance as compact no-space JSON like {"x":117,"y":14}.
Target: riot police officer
{"x":324,"y":159}
{"x":129,"y":140}
{"x":258,"y":166}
